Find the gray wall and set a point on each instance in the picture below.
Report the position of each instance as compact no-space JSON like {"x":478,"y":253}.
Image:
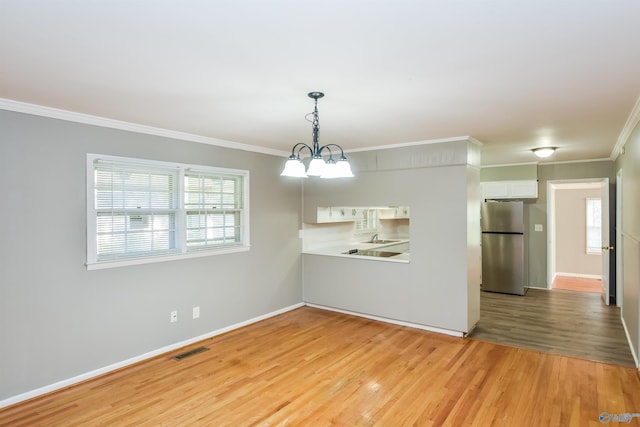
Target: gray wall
{"x":509,"y":173}
{"x":629,"y":163}
{"x":440,"y":287}
{"x":58,"y":320}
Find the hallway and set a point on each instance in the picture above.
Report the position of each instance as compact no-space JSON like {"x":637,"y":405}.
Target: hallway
{"x":570,"y":323}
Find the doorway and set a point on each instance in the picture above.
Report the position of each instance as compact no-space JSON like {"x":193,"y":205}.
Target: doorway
{"x":578,"y":235}
{"x":580,"y":284}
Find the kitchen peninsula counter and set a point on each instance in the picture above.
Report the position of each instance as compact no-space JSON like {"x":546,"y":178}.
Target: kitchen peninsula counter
{"x":341,"y":250}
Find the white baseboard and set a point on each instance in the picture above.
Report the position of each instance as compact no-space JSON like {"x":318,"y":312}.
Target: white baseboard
{"x":104,"y":370}
{"x":633,"y":351}
{"x":583,"y":276}
{"x":394,"y":321}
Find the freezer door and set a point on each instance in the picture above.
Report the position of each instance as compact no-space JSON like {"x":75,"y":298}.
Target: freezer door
{"x":502,"y":217}
{"x":503,"y":263}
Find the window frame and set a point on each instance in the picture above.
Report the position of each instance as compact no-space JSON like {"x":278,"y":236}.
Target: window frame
{"x":369,"y":224}
{"x":588,"y":249}
{"x":181,"y":250}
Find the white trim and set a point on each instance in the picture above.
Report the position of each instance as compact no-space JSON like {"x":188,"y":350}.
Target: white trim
{"x":158,"y":352}
{"x":619,"y":244}
{"x":631,"y":123}
{"x":164,"y":258}
{"x":393,"y":321}
{"x":88,"y":119}
{"x":583,"y":276}
{"x":626,"y":333}
{"x":552,"y":187}
{"x":606,"y":159}
{"x":414,"y":143}
{"x":508,"y":164}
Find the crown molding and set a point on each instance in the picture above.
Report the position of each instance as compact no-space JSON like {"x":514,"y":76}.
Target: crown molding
{"x":509,"y":164}
{"x":561,"y":162}
{"x":88,"y":119}
{"x":632,"y":122}
{"x":469,"y":139}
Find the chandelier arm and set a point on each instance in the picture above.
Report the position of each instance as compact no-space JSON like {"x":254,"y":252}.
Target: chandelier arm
{"x":302,"y":145}
{"x":333,"y":145}
{"x":328,"y":148}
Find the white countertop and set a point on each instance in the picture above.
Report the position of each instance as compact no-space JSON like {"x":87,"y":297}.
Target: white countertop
{"x":338,"y":249}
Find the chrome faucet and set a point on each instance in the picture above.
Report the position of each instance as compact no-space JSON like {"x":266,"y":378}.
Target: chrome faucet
{"x":374,"y":238}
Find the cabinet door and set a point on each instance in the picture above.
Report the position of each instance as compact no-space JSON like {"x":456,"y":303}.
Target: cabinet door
{"x":402,"y":212}
{"x":524,"y":189}
{"x":358,"y":213}
{"x":332,"y":214}
{"x":495,"y":190}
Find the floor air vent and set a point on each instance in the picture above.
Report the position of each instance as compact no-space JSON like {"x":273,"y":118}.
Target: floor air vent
{"x":190,"y":353}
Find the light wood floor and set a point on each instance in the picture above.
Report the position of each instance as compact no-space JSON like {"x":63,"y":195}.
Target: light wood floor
{"x":577,"y":284}
{"x":311,"y":367}
{"x":572,"y":323}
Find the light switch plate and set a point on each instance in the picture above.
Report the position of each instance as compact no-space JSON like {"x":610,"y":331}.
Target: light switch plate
{"x":537,"y":227}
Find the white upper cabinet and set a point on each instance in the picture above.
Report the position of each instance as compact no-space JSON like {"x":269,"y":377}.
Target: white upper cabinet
{"x":402,"y":212}
{"x":526,"y":189}
{"x":343,"y":214}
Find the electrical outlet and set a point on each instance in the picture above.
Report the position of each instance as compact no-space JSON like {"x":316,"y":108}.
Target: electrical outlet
{"x":174,"y":316}
{"x":196,"y":312}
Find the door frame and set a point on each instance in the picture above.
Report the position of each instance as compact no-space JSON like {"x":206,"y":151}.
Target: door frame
{"x":619,"y":249}
{"x":552,"y":186}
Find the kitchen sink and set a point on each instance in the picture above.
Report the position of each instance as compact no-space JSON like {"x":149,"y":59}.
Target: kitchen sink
{"x":369,"y":252}
{"x":379,"y":242}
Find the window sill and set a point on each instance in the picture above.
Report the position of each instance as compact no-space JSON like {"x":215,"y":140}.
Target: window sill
{"x":164,"y":258}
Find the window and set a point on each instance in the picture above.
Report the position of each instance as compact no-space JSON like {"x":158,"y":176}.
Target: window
{"x":368,"y":223}
{"x":594,"y":226}
{"x":144,"y":211}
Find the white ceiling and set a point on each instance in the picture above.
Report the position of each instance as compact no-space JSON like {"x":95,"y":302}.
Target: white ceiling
{"x":514,"y":74}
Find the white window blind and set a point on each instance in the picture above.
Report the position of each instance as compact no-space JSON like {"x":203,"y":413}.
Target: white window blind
{"x":213,"y":205}
{"x":594,"y":226}
{"x":136,"y":210}
{"x":142,"y":209}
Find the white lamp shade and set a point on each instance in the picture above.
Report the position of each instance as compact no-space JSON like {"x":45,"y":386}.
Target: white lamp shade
{"x":294,"y":168}
{"x":544,"y":151}
{"x":343,"y":169}
{"x":330,"y":170}
{"x":316,"y":167}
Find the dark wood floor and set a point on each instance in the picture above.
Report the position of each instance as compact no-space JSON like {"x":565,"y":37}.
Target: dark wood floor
{"x":311,"y":367}
{"x":572,"y":323}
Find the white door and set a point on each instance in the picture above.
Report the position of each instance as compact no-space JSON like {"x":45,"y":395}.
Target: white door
{"x":606,"y":248}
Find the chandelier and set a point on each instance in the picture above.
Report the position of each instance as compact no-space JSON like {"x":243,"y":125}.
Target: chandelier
{"x":317,"y":166}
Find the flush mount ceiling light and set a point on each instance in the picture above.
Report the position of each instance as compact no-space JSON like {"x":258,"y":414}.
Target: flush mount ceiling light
{"x":317,"y":166}
{"x":543,"y":152}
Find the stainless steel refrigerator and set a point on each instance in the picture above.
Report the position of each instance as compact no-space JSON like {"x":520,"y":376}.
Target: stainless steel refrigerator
{"x":502,"y":226}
